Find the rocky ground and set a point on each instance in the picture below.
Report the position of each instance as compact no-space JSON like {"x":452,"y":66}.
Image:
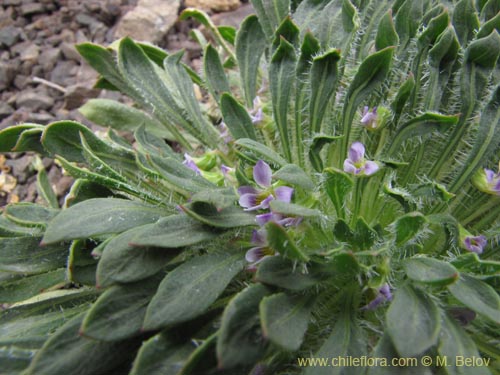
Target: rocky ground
{"x":43,"y":78}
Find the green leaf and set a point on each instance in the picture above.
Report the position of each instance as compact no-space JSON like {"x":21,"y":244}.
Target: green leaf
{"x":81,"y":265}
{"x":155,"y":95}
{"x":485,"y":51}
{"x":162,"y":354}
{"x":67,"y":352}
{"x":259,"y":151}
{"x":478,"y":296}
{"x":215,"y":76}
{"x":420,"y":126}
{"x":104,"y":62}
{"x":236,"y":118}
{"x":454,"y":342}
{"x":338,"y":185}
{"x":281,"y":72}
{"x":201,"y":128}
{"x":28,"y":324}
{"x":9,"y":228}
{"x":386,"y":32}
{"x":488,"y":27}
{"x":113,"y":114}
{"x":271,"y":14}
{"x":408,"y":226}
{"x":280,"y":241}
{"x":386,"y":352}
{"x":346,"y":340}
{"x":465,"y":20}
{"x":82,"y":190}
{"x":284,"y":319}
{"x":228,"y":33}
{"x":10,"y":136}
{"x":25,"y":255}
{"x":403,"y":95}
{"x":445,"y":49}
{"x":45,"y":190}
{"x":470,"y":262}
{"x":99,"y":216}
{"x":119,"y":312}
{"x":433,"y":190}
{"x":29,"y":140}
{"x":250,"y":45}
{"x":324,"y":77}
{"x":293,"y":174}
{"x":63,"y":138}
{"x":281,"y":272}
{"x":370,"y":75}
{"x":122,"y":263}
{"x":191,"y":288}
{"x":485,"y":144}
{"x":291,"y":209}
{"x":430,"y":271}
{"x":408,"y":18}
{"x":30,"y":214}
{"x":30,"y":286}
{"x":230,"y":217}
{"x":173,"y":232}
{"x":239,"y":342}
{"x":412,"y":321}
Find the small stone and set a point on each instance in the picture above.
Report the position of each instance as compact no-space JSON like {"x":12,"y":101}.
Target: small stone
{"x":34,"y":101}
{"x":9,"y":35}
{"x":149,"y":21}
{"x":69,"y":52}
{"x":5,"y":110}
{"x":31,"y":53}
{"x":64,"y":73}
{"x":21,"y":81}
{"x":11,"y":2}
{"x":20,"y":168}
{"x":42,"y":118}
{"x":234,"y":18}
{"x":215,"y":5}
{"x":32,"y":8}
{"x":7,"y":74}
{"x":48,"y":58}
{"x":76,"y":95}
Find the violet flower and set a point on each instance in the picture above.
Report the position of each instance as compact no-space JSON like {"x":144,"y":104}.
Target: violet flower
{"x":487,"y":181}
{"x":189,"y":162}
{"x":257,"y":254}
{"x":369,"y":118}
{"x":284,"y":221}
{"x":252,"y":199}
{"x":256,"y":114}
{"x":384,"y":294}
{"x":475,"y":244}
{"x":356,"y":163}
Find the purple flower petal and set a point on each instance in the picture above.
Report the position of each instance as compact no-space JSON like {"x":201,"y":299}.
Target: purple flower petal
{"x":248,"y":201}
{"x":263,"y":205}
{"x":265,"y":218}
{"x":259,"y":237}
{"x":385,"y":290}
{"x":284,"y":193}
{"x":369,"y":118}
{"x":370,"y":167}
{"x":247,"y":190}
{"x":262,"y":173}
{"x":475,"y":244}
{"x":254,"y":254}
{"x":258,"y":117}
{"x":356,"y":152}
{"x":490,"y":175}
{"x":349,"y":167}
{"x":374,"y":303}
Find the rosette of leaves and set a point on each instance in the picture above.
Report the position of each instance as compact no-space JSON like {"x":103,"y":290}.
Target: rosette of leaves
{"x":143,"y":270}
